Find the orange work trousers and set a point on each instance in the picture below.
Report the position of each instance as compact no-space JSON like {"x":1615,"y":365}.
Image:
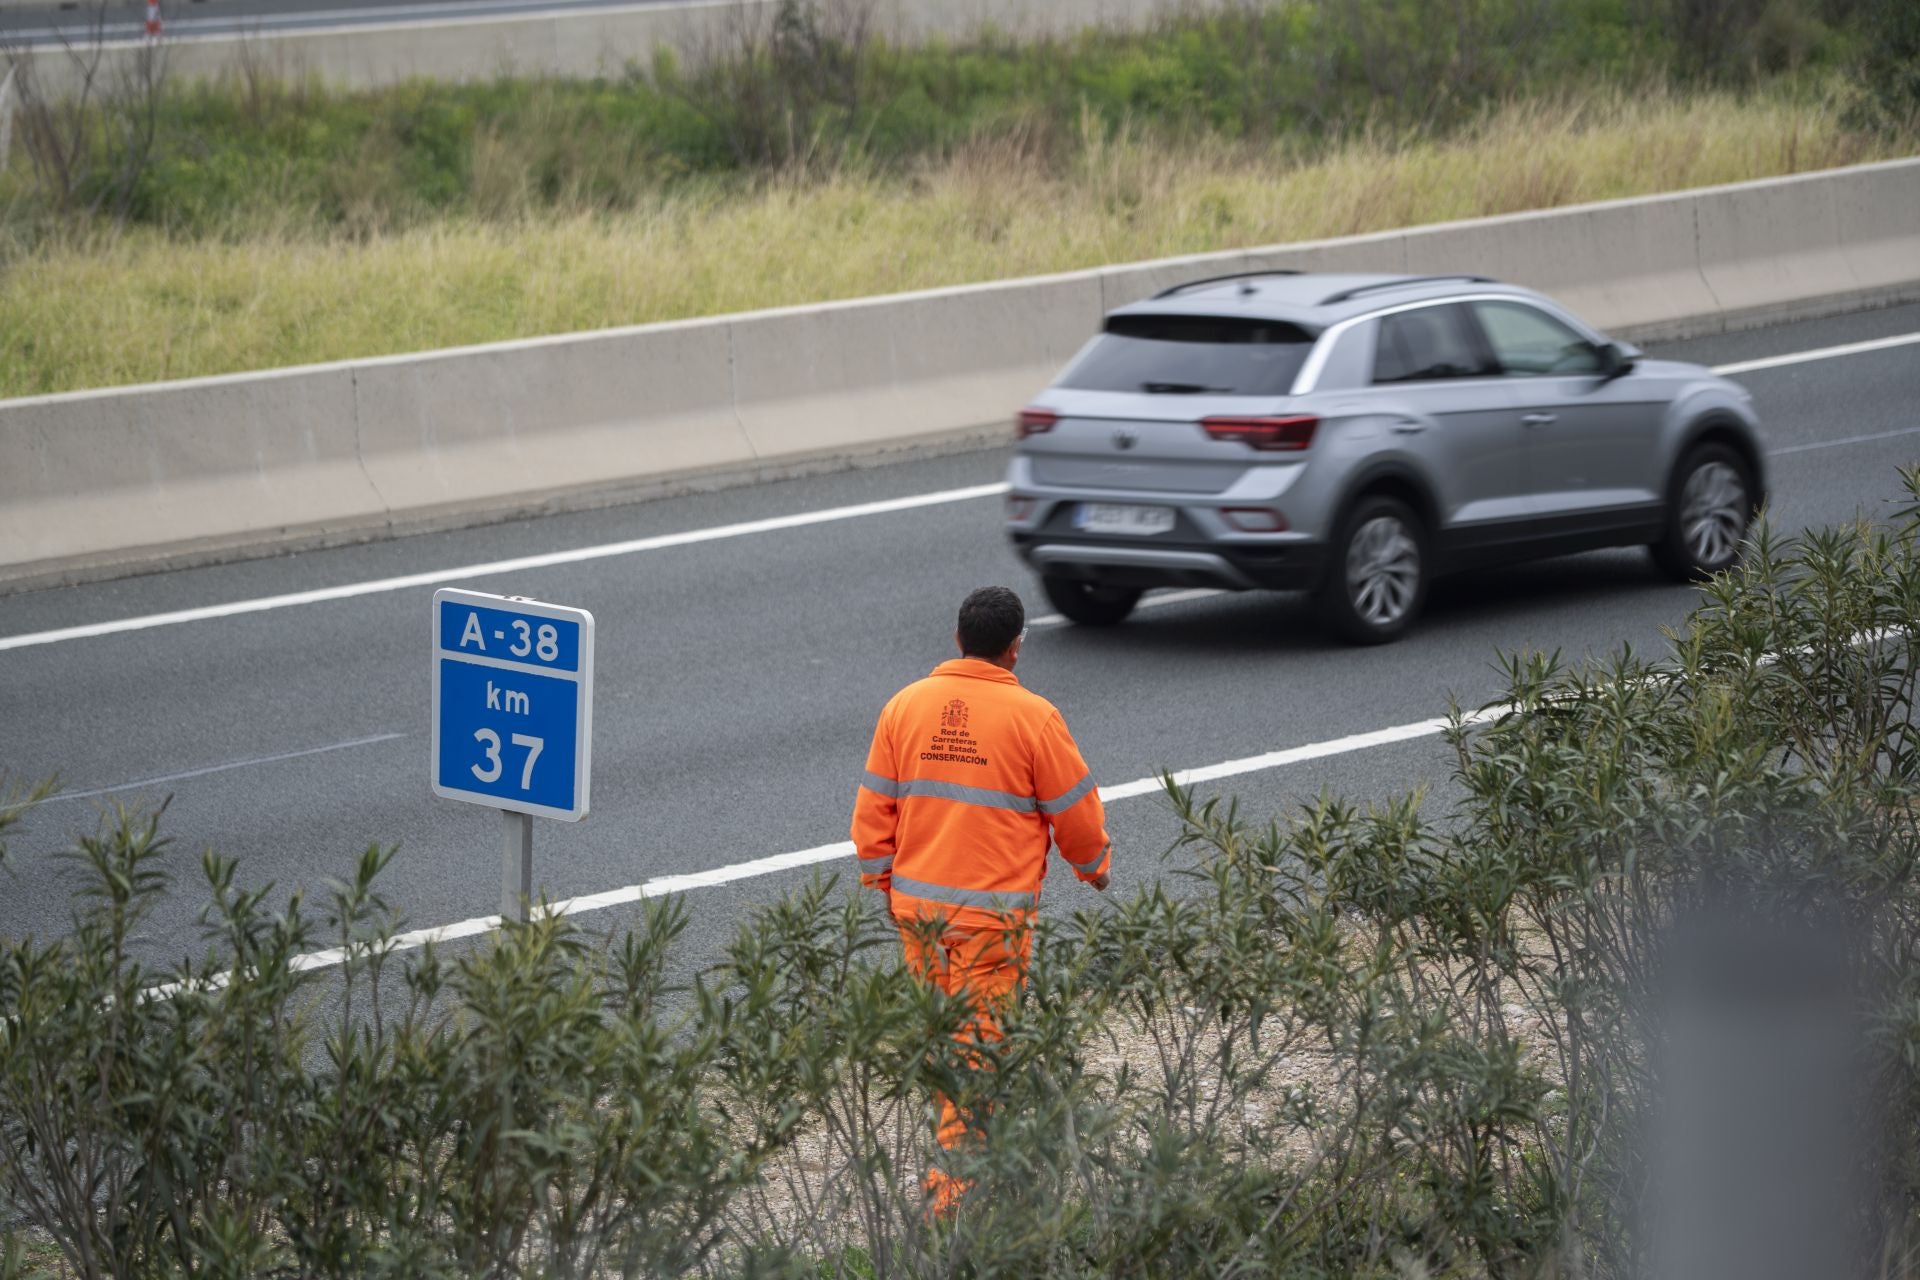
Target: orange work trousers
{"x":984,"y":966}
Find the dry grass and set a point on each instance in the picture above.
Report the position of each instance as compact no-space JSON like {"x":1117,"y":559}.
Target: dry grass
{"x":143,"y":308}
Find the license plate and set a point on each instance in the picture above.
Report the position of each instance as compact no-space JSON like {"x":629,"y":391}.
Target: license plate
{"x":1108,"y":517}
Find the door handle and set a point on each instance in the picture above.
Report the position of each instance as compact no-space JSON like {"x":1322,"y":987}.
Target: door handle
{"x":1540,"y":419}
{"x":1408,"y":426}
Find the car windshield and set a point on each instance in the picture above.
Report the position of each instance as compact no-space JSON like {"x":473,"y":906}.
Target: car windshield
{"x":1193,"y":355}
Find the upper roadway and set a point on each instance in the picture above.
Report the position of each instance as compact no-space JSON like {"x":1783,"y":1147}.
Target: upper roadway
{"x":33,"y":22}
{"x":742,"y":658}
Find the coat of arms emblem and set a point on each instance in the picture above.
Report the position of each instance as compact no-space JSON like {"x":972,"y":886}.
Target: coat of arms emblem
{"x":956,"y":715}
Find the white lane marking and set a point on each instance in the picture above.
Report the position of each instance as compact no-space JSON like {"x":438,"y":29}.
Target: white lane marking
{"x":1297,"y":755}
{"x":689,"y":881}
{"x":1835,"y":444}
{"x":568,"y":907}
{"x":519,"y":564}
{"x":1150,"y":602}
{"x":222,"y":768}
{"x":1821,"y":353}
{"x":578,"y":554}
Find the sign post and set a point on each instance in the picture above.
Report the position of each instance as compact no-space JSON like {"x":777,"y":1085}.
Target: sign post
{"x":513,"y":718}
{"x":516,"y":874}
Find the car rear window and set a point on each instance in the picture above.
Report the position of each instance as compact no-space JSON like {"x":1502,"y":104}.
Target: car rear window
{"x":1193,"y":355}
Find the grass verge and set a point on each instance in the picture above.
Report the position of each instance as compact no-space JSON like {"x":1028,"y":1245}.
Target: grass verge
{"x":142,"y":305}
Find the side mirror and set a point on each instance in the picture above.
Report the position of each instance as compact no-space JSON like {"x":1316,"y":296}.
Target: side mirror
{"x":1615,"y":359}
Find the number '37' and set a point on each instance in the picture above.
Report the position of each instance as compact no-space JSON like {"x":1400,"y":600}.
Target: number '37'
{"x":490,"y":745}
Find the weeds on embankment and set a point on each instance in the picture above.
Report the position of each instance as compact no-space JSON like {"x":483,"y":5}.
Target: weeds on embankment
{"x":142,"y":305}
{"x":1651,"y":994}
{"x":278,"y":224}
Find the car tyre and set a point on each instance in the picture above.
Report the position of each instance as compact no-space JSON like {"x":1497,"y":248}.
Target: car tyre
{"x":1090,"y":604}
{"x":1377,"y":576}
{"x":1709,"y":506}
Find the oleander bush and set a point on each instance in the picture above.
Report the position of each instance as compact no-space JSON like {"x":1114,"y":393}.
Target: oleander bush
{"x":1644,"y":990}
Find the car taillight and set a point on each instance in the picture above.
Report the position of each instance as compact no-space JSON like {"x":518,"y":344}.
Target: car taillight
{"x":1273,"y":435}
{"x":1032,"y":422}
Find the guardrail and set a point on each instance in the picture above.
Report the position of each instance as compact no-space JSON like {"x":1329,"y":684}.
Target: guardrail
{"x":95,"y":482}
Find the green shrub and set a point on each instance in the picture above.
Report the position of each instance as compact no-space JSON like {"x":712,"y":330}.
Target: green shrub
{"x":1365,"y":1041}
{"x":1891,"y":39}
{"x":814,"y":87}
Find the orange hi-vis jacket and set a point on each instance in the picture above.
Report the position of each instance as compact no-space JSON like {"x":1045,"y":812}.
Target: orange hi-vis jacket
{"x":968,"y":776}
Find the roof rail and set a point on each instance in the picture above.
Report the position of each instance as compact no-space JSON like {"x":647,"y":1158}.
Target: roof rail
{"x":1237,"y":275}
{"x":1400,"y":282}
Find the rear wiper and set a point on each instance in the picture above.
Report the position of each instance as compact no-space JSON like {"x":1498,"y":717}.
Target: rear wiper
{"x":1182,"y":389}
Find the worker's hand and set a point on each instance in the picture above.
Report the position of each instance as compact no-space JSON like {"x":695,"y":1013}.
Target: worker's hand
{"x":1100,"y":882}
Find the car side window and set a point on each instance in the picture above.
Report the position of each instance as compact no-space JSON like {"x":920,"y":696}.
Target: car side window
{"x":1428,"y":343}
{"x":1530,"y":343}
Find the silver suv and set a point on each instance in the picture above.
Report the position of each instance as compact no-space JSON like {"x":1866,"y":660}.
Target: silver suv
{"x":1356,"y":436}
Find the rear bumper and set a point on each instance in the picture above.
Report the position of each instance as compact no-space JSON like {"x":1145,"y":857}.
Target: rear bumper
{"x":1292,"y":566}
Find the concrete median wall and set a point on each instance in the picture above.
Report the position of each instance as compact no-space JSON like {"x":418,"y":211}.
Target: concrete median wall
{"x":449,"y":431}
{"x":837,"y":379}
{"x":586,"y":42}
{"x":209,"y":463}
{"x":100,"y":481}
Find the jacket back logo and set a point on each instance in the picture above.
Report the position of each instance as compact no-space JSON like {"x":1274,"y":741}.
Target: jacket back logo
{"x":956,"y":715}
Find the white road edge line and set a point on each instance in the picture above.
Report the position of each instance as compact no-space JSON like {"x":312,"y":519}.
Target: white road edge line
{"x":719,"y":533}
{"x":685,"y":883}
{"x":1821,"y":353}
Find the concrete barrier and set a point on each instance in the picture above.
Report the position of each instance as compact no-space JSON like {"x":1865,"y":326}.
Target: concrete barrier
{"x":1381,"y":251}
{"x":451,"y":432}
{"x":1879,"y":208}
{"x":100,"y":480}
{"x":581,"y":42}
{"x":201,"y":466}
{"x":814,"y":380}
{"x":1760,"y":254}
{"x":1621,"y":264}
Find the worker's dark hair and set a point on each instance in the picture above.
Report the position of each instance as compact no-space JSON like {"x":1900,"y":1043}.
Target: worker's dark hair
{"x":990,"y":619}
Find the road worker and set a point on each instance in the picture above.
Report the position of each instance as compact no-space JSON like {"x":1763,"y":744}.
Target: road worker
{"x":968,"y":777}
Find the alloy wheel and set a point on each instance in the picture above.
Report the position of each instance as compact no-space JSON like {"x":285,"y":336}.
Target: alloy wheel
{"x":1713,"y":513}
{"x":1383,"y":570}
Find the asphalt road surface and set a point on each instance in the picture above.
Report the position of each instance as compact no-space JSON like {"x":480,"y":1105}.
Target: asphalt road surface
{"x":81,"y":21}
{"x":742,"y":657}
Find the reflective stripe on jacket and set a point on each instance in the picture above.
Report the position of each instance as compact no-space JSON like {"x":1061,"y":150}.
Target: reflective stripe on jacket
{"x":968,"y":777}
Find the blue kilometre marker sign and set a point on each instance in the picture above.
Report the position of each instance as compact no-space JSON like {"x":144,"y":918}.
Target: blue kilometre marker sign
{"x":512,"y":703}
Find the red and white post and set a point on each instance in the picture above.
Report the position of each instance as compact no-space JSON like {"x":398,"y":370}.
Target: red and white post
{"x":153,"y":21}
